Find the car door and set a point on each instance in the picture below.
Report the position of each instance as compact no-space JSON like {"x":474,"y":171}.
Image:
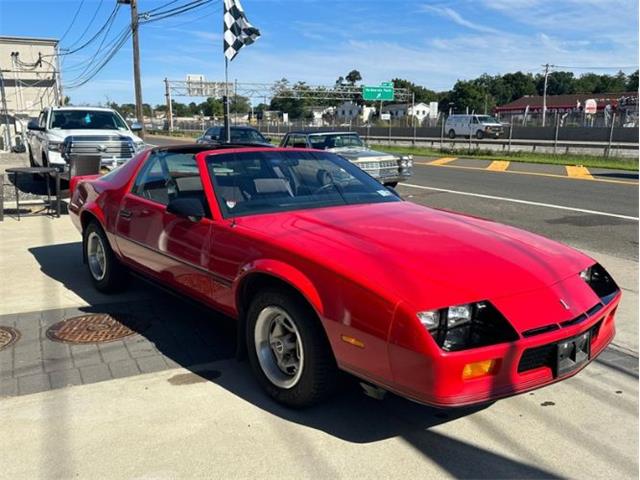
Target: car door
{"x":172,"y":249}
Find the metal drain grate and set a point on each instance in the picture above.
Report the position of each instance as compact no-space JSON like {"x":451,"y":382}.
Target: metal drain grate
{"x":8,"y":336}
{"x":95,"y":328}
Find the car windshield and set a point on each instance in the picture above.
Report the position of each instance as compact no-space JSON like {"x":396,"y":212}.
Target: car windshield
{"x":86,"y":120}
{"x":262,"y":182}
{"x":333,"y":140}
{"x":487,"y":119}
{"x":238,"y":135}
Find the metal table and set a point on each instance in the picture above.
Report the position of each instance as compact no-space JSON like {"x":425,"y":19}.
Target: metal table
{"x":47,"y":172}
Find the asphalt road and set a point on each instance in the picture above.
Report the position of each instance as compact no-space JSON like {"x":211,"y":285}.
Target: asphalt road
{"x":561,"y":220}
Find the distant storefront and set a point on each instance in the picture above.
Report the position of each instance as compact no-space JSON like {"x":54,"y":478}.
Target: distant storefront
{"x":571,"y":109}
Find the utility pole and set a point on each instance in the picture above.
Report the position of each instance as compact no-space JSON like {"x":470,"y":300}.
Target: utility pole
{"x":136,"y":61}
{"x":167,"y":94}
{"x":544,"y":94}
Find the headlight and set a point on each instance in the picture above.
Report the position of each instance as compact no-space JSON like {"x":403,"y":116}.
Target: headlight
{"x":406,"y":161}
{"x":55,"y":146}
{"x":600,"y":282}
{"x":468,"y":325}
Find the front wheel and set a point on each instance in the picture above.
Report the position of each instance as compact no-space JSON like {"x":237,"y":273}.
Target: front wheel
{"x":288,"y":349}
{"x":107,"y":273}
{"x":391,"y":184}
{"x":452,"y":133}
{"x":479,"y":134}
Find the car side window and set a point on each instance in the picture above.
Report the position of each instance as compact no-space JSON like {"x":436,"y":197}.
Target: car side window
{"x":213,"y":133}
{"x":170,"y":175}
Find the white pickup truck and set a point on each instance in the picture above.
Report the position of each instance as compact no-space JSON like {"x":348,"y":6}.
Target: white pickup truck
{"x":60,"y":132}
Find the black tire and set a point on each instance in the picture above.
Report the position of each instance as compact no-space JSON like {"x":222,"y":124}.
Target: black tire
{"x":452,"y":133}
{"x":115,"y":275}
{"x":479,"y":134}
{"x":391,"y":184}
{"x":319,"y":371}
{"x":45,"y":161}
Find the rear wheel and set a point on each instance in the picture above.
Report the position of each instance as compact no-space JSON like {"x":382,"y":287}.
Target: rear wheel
{"x":288,"y":349}
{"x":106,"y":272}
{"x":452,"y":133}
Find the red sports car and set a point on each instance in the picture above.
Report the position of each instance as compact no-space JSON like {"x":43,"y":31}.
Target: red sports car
{"x":326,"y":269}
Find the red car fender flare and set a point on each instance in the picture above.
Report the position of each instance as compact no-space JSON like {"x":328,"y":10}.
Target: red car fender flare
{"x":283,"y":272}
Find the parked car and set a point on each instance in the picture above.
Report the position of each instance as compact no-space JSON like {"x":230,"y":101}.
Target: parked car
{"x":325,"y":269}
{"x":60,"y":132}
{"x":387,"y":168}
{"x":479,"y":126}
{"x":239,"y":135}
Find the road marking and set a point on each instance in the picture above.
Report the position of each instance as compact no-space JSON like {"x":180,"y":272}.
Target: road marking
{"x":553,"y":175}
{"x":579,"y":171}
{"x":442,"y":161}
{"x":498,"y":166}
{"x":525,"y":202}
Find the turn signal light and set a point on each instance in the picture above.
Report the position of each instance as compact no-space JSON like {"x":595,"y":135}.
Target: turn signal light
{"x":479,"y":369}
{"x":352,"y":341}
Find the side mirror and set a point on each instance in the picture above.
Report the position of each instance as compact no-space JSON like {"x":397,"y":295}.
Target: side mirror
{"x":189,"y":208}
{"x":136,"y":127}
{"x":33,"y":125}
{"x":268,"y":139}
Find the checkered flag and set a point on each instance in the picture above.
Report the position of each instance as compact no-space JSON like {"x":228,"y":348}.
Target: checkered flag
{"x":238,"y":32}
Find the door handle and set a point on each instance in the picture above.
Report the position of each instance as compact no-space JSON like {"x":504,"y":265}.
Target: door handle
{"x":124,"y":213}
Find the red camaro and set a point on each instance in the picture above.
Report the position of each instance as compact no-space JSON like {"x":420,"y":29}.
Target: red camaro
{"x":326,"y":269}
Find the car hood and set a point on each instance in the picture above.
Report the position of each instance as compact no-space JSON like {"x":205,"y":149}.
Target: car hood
{"x":355,"y":153}
{"x":62,"y":134}
{"x":427,"y":257}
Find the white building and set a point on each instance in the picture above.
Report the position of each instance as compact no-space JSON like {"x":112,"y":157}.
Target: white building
{"x":349,"y":111}
{"x":401,"y":110}
{"x":320,"y":115}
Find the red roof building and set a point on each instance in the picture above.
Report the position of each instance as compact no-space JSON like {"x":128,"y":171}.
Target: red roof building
{"x":569,"y":103}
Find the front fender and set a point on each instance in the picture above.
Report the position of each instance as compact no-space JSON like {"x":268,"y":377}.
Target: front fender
{"x":284,"y":272}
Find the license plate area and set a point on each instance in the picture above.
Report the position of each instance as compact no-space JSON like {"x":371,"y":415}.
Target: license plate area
{"x":572,"y":353}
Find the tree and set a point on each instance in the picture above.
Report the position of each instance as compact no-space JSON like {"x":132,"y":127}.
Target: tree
{"x":353,"y":76}
{"x":558,"y":83}
{"x":212,"y":107}
{"x":465,"y":94}
{"x":422,"y":94}
{"x":632,"y":82}
{"x":239,"y":104}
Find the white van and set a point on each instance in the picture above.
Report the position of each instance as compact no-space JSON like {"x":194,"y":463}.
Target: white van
{"x":479,"y":126}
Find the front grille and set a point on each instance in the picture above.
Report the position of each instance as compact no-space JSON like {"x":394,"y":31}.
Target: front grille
{"x":537,"y":357}
{"x":107,"y":147}
{"x":545,"y":355}
{"x":378,"y":165}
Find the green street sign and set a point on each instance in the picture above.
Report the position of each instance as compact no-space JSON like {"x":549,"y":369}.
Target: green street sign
{"x":383,"y":92}
{"x":386,"y":84}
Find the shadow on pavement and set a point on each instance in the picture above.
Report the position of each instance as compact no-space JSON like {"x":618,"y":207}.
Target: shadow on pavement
{"x":204,"y":342}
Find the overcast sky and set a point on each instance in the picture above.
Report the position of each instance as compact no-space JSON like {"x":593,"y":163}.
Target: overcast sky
{"x":432,"y":43}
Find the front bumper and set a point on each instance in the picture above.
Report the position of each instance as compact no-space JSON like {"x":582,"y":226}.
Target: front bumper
{"x":439,"y":381}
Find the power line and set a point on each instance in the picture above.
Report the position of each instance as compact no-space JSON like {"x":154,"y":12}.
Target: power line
{"x":73,"y":20}
{"x":626,"y":67}
{"x":115,"y":48}
{"x":161,"y":6}
{"x":95,"y":14}
{"x":173,"y":12}
{"x":112,"y":15}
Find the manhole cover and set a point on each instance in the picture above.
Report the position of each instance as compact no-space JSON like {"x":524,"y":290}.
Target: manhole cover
{"x":95,"y":328}
{"x":8,"y":336}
